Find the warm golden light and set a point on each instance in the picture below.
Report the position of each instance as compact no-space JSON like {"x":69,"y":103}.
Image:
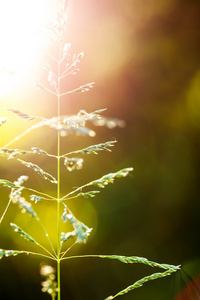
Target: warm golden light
{"x":22,"y":38}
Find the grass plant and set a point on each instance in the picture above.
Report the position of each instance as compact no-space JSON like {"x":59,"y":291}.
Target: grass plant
{"x":59,"y":67}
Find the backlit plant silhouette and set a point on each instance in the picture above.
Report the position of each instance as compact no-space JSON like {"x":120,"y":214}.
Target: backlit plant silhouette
{"x":60,"y":66}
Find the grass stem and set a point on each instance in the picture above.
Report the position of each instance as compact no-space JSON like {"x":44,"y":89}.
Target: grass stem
{"x":58,"y":184}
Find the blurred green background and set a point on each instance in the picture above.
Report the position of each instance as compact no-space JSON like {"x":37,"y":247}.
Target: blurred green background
{"x":144,"y":57}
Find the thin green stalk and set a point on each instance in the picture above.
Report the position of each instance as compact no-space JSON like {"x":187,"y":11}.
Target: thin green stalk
{"x":81,"y":256}
{"x":46,"y":234}
{"x":33,"y":253}
{"x":58,"y":278}
{"x":58,"y":186}
{"x":39,"y":193}
{"x":58,"y":211}
{"x":75,"y":191}
{"x":65,"y":252}
{"x":5,"y":210}
{"x":39,"y":254}
{"x":44,"y":249}
{"x":39,"y":124}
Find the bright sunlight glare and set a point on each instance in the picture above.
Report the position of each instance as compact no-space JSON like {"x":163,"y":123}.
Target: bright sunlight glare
{"x":21,"y":36}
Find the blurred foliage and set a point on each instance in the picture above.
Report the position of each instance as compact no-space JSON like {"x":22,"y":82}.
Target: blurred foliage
{"x":144,"y":58}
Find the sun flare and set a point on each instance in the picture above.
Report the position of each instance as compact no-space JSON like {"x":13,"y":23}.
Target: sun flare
{"x":21,"y":38}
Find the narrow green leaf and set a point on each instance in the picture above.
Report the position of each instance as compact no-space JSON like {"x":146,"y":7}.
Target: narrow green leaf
{"x":7,"y":253}
{"x":89,"y":194}
{"x":140,"y":282}
{"x":38,"y":151}
{"x":135,"y":259}
{"x":94,"y":148}
{"x":141,"y":260}
{"x":22,"y":233}
{"x":48,"y":176}
{"x":101,"y":182}
{"x":41,"y":172}
{"x":21,"y":114}
{"x":7,"y":183}
{"x":109,"y":178}
{"x":81,"y":89}
{"x":12,"y":153}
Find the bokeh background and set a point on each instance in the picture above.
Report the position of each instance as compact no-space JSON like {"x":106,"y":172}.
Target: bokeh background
{"x":144,"y":57}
